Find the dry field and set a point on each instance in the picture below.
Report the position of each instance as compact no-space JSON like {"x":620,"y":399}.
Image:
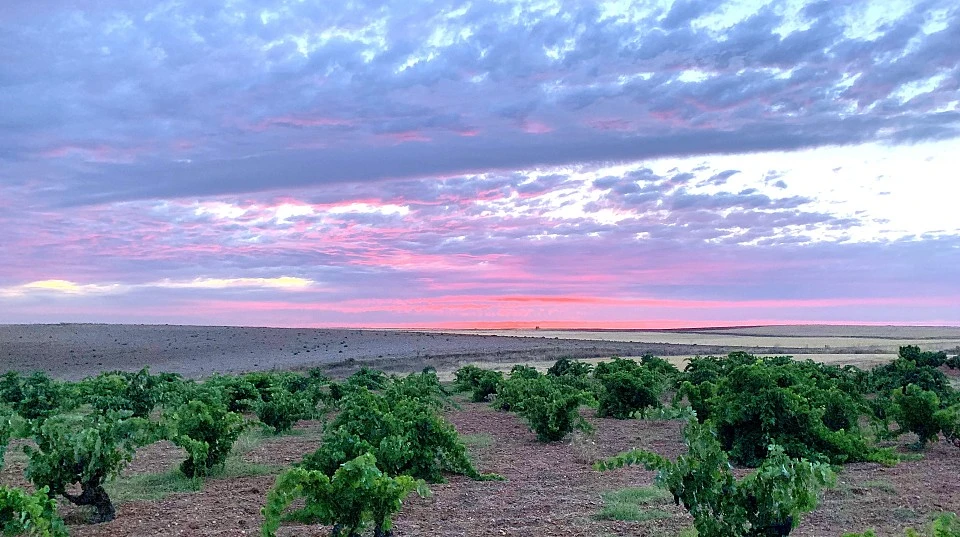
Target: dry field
{"x":74,"y":351}
{"x":809,"y":338}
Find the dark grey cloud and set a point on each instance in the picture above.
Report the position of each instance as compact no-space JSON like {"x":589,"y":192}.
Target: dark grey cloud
{"x":111,"y":100}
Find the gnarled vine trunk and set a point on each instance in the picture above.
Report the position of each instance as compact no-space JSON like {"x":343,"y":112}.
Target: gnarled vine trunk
{"x":96,"y":497}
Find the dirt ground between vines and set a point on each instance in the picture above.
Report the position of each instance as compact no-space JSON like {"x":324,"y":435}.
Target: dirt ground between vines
{"x":550,"y":489}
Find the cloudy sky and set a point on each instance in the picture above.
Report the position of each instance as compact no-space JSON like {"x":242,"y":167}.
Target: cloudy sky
{"x":428,"y":163}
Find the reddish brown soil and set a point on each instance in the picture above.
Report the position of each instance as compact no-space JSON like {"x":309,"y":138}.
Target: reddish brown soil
{"x":550,"y":489}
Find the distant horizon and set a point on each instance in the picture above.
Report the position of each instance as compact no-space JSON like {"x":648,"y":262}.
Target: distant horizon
{"x":506,"y":325}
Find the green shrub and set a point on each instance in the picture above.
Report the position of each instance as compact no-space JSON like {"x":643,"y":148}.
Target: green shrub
{"x":524,"y":372}
{"x":513,"y":394}
{"x":283,"y":409}
{"x":898,"y":374}
{"x":407,"y":436}
{"x":627,"y":387}
{"x":87,"y":451}
{"x":41,"y":397}
{"x":424,"y":386}
{"x":767,"y":502}
{"x":766,"y":403}
{"x":357,"y":493}
{"x":914,"y":410}
{"x":370,"y":379}
{"x":11,"y":388}
{"x":238,"y":393}
{"x":136,"y":392}
{"x":34,"y":514}
{"x":207,"y":430}
{"x":565,"y":367}
{"x":922,"y":358}
{"x":487,"y":384}
{"x":466,"y":378}
{"x":948,"y":419}
{"x":841,"y":410}
{"x":481,"y":382}
{"x":551,"y":408}
{"x":702,"y":369}
{"x":658,"y":365}
{"x":698,"y":396}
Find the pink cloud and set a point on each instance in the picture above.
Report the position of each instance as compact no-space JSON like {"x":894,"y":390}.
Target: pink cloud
{"x":407,"y":136}
{"x":535,"y":127}
{"x":619,"y":125}
{"x":302,"y":122}
{"x":94,"y":153}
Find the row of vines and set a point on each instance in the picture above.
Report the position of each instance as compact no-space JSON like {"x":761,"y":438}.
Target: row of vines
{"x":385,"y":437}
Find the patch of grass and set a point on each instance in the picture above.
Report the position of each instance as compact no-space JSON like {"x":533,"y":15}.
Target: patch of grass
{"x":15,"y":456}
{"x":881,"y":485}
{"x":632,"y":504}
{"x":250,"y":439}
{"x":237,"y":467}
{"x":904,"y":514}
{"x":688,"y":532}
{"x":478,"y":440}
{"x":151,"y":486}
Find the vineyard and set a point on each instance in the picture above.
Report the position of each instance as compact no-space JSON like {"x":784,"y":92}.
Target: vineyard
{"x":729,"y":446}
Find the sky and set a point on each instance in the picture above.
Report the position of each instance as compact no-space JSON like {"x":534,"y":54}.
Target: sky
{"x":475,"y":164}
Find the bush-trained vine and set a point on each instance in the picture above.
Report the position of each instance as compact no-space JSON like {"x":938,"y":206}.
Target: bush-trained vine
{"x":207,"y":430}
{"x":551,"y":408}
{"x":406,"y":436}
{"x":565,"y":367}
{"x":424,"y":386}
{"x":698,"y":396}
{"x":85,"y":451}
{"x":135,"y":392}
{"x":762,"y":403}
{"x":239,"y":394}
{"x":282,"y":409}
{"x":357,"y":494}
{"x":768,"y":502}
{"x":487,"y":384}
{"x":914,"y":409}
{"x":482,"y":383}
{"x":922,"y":358}
{"x":41,"y":397}
{"x":524,"y":371}
{"x":901,"y":372}
{"x":627,"y":387}
{"x":948,"y":419}
{"x":35,"y":515}
{"x":370,"y":379}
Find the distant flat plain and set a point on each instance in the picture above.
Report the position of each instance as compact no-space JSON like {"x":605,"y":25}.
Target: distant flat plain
{"x":816,"y":338}
{"x":74,"y":351}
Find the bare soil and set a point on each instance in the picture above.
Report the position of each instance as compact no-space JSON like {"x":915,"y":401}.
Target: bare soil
{"x":550,"y":489}
{"x":74,"y":351}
